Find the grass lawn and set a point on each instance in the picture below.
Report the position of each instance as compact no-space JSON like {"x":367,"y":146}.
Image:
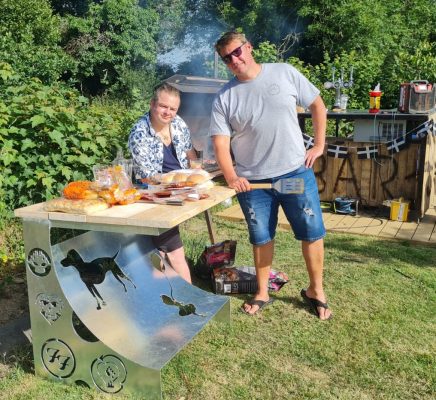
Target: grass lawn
{"x":381,"y":343}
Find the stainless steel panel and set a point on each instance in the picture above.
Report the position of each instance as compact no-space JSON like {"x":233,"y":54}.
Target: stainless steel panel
{"x":103,"y":315}
{"x":129,"y":314}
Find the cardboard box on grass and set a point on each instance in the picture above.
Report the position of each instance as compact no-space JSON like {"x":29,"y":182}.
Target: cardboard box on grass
{"x":215,"y":256}
{"x":237,"y":280}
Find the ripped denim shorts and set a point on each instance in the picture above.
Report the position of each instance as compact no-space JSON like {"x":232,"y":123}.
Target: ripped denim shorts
{"x":303,"y":211}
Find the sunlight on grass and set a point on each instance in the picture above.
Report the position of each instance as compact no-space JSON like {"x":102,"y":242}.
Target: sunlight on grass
{"x":379,"y":345}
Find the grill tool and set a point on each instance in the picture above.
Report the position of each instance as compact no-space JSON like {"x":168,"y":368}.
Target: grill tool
{"x":284,"y":186}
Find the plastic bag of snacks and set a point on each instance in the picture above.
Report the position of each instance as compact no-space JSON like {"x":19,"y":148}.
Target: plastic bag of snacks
{"x":107,"y":176}
{"x":114,"y":185}
{"x":80,"y":190}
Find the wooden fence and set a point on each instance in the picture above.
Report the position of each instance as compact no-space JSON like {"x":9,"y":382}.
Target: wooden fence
{"x":409,"y":174}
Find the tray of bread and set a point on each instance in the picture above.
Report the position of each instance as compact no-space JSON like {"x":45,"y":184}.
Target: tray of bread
{"x":182,"y":178}
{"x":177,"y":186}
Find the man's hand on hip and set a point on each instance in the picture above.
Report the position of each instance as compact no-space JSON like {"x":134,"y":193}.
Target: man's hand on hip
{"x":312,"y":154}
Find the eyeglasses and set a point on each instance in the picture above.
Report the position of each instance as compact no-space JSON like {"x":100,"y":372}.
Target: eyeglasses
{"x":237,"y":52}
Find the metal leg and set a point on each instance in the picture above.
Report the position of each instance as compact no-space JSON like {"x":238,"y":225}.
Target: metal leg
{"x":210,"y":229}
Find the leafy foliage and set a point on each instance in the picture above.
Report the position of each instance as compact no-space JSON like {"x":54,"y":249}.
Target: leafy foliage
{"x":172,"y":21}
{"x":278,"y":19}
{"x":386,"y":38}
{"x":29,"y":36}
{"x":72,"y":7}
{"x":51,"y":135}
{"x":29,"y":20}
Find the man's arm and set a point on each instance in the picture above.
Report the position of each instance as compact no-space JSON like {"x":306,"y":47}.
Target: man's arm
{"x":319,"y":120}
{"x":221,"y":144}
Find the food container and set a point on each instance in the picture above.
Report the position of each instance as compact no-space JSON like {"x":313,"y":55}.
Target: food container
{"x":399,"y":209}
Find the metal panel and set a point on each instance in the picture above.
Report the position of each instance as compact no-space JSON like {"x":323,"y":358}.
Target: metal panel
{"x":105,"y":313}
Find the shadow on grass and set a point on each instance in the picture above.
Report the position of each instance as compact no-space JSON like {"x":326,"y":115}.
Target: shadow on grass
{"x":21,"y":356}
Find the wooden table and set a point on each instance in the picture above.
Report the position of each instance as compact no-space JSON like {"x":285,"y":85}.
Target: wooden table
{"x":137,"y":218}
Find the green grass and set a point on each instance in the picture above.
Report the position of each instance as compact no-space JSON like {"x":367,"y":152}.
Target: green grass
{"x":379,"y":345}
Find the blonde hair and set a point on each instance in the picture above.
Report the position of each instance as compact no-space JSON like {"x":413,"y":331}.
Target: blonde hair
{"x":164,"y":87}
{"x":228,"y":37}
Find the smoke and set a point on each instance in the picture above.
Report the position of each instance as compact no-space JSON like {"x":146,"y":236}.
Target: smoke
{"x":194,"y":53}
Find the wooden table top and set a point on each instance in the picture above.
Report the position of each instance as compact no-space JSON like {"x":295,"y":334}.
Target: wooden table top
{"x":145,"y":218}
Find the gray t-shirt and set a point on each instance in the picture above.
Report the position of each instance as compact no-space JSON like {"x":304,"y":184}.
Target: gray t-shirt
{"x":261,"y":117}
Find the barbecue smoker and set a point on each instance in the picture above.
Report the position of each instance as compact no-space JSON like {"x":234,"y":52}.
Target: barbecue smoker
{"x":197,"y":94}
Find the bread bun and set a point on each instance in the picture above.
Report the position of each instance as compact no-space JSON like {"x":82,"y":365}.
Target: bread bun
{"x":180,"y":177}
{"x":196,"y":179}
{"x":167,"y":178}
{"x":75,"y":206}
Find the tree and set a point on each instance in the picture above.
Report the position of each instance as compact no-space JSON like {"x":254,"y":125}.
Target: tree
{"x":29,"y":35}
{"x":112,"y":41}
{"x":71,"y":7}
{"x":388,"y":40}
{"x":377,"y":31}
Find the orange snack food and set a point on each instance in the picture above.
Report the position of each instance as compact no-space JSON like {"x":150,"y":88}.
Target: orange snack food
{"x":130,"y":196}
{"x":108,"y":196}
{"x":79,"y":190}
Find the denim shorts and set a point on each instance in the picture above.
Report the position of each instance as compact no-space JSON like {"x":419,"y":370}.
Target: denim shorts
{"x":303,"y":211}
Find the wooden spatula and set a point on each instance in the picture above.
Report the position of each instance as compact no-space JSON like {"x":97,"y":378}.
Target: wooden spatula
{"x":285,"y":186}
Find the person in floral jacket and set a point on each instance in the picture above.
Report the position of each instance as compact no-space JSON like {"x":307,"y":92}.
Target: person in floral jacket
{"x":161,"y":142}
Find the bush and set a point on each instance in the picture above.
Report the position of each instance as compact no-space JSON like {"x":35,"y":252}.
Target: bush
{"x":51,"y":135}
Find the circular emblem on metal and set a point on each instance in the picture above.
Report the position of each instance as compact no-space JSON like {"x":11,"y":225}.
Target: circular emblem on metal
{"x":273,"y":89}
{"x":39,"y":262}
{"x":50,"y":306}
{"x":58,"y":358}
{"x":108,"y":373}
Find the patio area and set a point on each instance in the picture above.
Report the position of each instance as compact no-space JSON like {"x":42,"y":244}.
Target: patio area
{"x":372,"y":221}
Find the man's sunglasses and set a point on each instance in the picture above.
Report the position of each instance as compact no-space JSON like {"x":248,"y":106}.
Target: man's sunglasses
{"x":237,"y":52}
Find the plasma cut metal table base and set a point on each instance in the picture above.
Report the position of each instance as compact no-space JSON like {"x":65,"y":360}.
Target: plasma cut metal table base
{"x":102,"y":314}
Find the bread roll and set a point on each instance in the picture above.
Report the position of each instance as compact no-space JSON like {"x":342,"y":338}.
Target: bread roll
{"x":167,"y":178}
{"x":196,"y":179}
{"x":180,"y":177}
{"x":108,"y":196}
{"x":75,"y":206}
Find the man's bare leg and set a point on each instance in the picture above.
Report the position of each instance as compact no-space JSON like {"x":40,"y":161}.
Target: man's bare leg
{"x":313,"y":253}
{"x":263,"y":257}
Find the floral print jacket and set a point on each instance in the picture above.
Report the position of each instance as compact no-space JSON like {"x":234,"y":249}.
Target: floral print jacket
{"x":147,"y":149}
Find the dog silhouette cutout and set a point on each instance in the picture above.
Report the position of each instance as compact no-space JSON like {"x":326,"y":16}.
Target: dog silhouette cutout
{"x":184,"y":309}
{"x":94,"y":272}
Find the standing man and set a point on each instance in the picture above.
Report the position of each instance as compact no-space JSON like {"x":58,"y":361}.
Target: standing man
{"x":161,"y":142}
{"x":254,"y":116}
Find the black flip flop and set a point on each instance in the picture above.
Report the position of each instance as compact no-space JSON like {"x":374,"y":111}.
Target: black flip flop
{"x":314,"y":304}
{"x":260,"y":303}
